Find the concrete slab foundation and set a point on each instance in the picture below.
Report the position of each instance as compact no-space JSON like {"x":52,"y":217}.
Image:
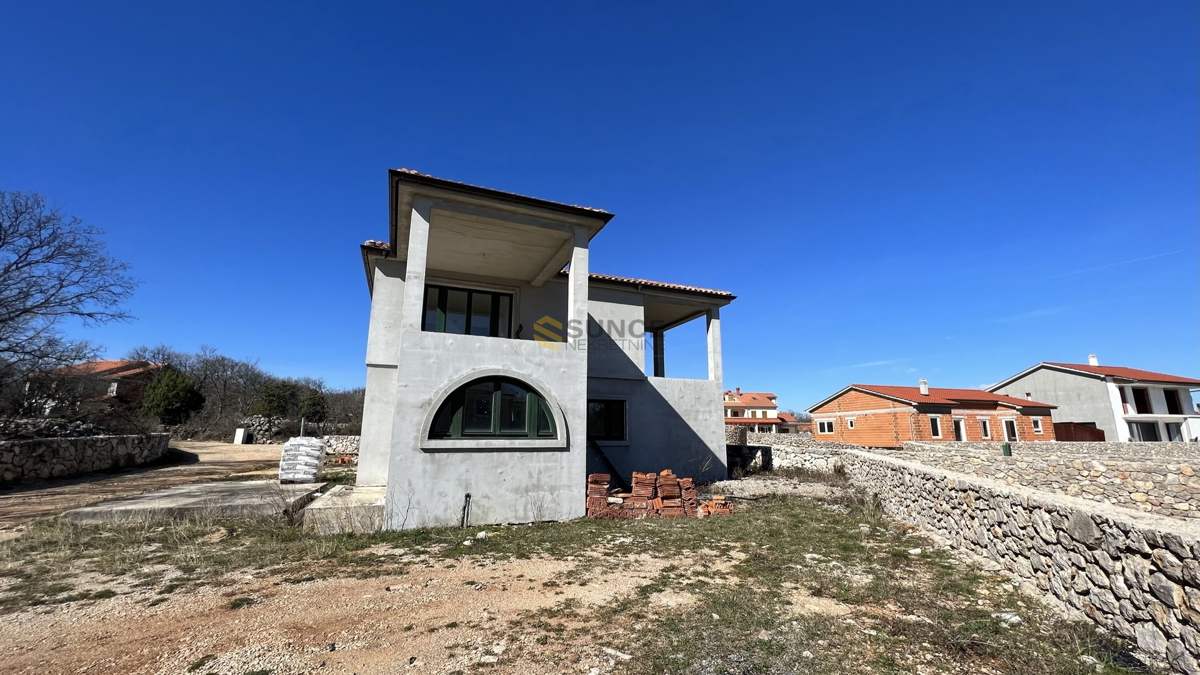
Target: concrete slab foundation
{"x":347,"y":508}
{"x":220,"y":499}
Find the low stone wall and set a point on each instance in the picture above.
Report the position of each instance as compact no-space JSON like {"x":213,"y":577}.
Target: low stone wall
{"x":62,"y":457}
{"x":1134,"y":573}
{"x":342,"y":445}
{"x":1134,"y":475}
{"x":1137,"y":451}
{"x":735,"y":434}
{"x":797,"y":440}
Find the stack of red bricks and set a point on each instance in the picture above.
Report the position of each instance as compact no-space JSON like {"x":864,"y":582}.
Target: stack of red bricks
{"x":660,"y":494}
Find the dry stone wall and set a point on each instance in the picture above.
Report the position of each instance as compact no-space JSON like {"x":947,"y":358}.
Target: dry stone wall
{"x":1134,"y":573}
{"x":342,"y":445}
{"x":62,"y":457}
{"x":1135,"y":475}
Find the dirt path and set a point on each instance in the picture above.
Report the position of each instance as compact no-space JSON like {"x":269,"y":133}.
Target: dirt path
{"x":437,"y":618}
{"x":199,"y":461}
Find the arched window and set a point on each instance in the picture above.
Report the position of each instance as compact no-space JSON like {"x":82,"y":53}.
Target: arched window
{"x":494,"y":407}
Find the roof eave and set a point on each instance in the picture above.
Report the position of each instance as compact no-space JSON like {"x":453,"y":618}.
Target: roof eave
{"x":499,"y":195}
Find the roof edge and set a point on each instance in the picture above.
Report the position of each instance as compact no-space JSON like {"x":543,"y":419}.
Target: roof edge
{"x":418,"y":178}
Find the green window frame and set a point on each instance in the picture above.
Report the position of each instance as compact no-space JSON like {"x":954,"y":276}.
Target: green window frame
{"x":494,"y":407}
{"x":467,"y":311}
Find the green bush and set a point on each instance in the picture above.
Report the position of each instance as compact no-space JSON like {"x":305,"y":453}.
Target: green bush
{"x":172,"y":398}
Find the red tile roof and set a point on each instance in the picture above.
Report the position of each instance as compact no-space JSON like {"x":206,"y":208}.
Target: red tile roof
{"x":786,"y":417}
{"x":112,"y":368}
{"x":661,"y":284}
{"x":753,"y":399}
{"x":1128,"y":373}
{"x":942,"y":396}
{"x":454,"y":184}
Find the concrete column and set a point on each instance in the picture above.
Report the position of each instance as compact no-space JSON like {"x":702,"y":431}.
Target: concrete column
{"x":660,"y":355}
{"x":714,"y":346}
{"x":577,"y":286}
{"x":414,"y":274}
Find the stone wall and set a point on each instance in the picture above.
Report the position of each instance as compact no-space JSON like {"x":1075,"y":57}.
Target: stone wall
{"x":1140,"y":451}
{"x":342,"y":445}
{"x":799,"y":439}
{"x":62,"y":457}
{"x":1134,"y":573}
{"x":1135,"y":475}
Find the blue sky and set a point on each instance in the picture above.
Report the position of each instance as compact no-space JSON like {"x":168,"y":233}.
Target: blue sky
{"x":953,"y":191}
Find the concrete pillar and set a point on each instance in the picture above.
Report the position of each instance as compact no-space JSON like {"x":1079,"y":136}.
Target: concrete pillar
{"x":714,"y":346}
{"x":577,"y":285}
{"x":660,"y":355}
{"x":414,"y":274}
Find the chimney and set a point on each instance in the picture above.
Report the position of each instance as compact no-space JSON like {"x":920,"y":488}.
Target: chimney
{"x":924,"y":387}
{"x":1092,"y":360}
{"x":738,"y":391}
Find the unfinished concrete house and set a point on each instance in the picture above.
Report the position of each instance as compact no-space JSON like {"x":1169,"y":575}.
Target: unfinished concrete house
{"x":500,"y":370}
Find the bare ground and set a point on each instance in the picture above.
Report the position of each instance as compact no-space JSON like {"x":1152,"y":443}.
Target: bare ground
{"x":195,"y":461}
{"x":785,"y":585}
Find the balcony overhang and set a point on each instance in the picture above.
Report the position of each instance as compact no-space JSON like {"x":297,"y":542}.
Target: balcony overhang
{"x":479,"y":231}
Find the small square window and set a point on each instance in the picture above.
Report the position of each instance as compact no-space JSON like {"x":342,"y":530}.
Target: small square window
{"x":1037,"y":425}
{"x":606,"y":420}
{"x":850,"y":423}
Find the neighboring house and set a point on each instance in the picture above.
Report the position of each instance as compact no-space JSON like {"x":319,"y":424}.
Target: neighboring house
{"x":96,"y":384}
{"x":496,"y":380}
{"x":885,"y":416}
{"x":1127,"y":404}
{"x":756,"y":411}
{"x":788,"y":424}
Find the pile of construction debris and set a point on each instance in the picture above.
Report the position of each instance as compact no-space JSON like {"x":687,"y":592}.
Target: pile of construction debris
{"x":651,"y":494}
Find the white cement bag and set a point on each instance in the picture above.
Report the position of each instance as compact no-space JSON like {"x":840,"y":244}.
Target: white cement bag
{"x":301,"y":460}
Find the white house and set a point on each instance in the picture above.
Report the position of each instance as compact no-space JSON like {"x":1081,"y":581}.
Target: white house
{"x":496,"y":380}
{"x":758,"y":411}
{"x":1126,"y":403}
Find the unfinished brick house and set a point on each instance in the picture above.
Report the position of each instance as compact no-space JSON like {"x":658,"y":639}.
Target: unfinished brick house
{"x":884,"y":416}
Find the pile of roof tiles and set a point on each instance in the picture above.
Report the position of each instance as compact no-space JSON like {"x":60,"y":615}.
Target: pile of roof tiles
{"x":660,"y":494}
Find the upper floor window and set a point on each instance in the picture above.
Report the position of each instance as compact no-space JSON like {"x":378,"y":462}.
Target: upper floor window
{"x":467,"y":311}
{"x":494,"y":407}
{"x":1174,"y":407}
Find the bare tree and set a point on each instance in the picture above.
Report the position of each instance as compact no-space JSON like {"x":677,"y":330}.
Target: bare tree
{"x":53,"y":268}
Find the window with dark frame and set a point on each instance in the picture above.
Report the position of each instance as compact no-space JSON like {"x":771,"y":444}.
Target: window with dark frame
{"x":467,"y":311}
{"x":606,"y":420}
{"x":1174,"y":407}
{"x":493,"y":407}
{"x":1141,"y":401}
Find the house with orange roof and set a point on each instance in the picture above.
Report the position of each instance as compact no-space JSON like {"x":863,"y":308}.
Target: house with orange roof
{"x":99,"y":384}
{"x":1126,"y":404}
{"x":885,"y":416}
{"x":758,"y":411}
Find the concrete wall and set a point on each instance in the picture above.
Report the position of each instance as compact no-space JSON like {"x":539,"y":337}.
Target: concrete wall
{"x":1079,"y":398}
{"x":62,"y":457}
{"x":1132,"y":573}
{"x":672,"y":424}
